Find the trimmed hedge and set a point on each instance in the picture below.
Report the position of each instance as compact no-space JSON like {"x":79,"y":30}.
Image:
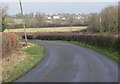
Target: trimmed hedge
{"x":110,"y":42}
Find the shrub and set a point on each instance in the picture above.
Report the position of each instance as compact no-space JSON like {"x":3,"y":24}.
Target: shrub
{"x":9,"y":43}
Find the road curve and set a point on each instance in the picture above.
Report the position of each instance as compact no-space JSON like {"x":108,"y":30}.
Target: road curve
{"x":64,"y":62}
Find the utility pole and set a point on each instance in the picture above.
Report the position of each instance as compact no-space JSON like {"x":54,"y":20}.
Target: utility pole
{"x":100,"y":24}
{"x":23,"y":22}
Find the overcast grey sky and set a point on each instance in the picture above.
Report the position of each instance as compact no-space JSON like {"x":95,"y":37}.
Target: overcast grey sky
{"x":51,"y":7}
{"x":60,"y":0}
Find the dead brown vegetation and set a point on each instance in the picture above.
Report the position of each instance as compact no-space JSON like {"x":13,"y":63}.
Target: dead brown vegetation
{"x":9,"y":43}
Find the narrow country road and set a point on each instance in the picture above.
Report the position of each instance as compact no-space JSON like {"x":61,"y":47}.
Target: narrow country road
{"x":64,"y":62}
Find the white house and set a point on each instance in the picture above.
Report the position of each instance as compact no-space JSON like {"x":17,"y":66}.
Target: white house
{"x":56,"y":17}
{"x":63,"y":18}
{"x":49,"y":18}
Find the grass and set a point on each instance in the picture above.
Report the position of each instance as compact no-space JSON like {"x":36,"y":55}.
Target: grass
{"x":49,"y":29}
{"x":16,"y":67}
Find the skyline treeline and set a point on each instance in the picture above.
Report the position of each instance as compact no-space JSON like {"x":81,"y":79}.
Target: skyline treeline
{"x":105,"y":21}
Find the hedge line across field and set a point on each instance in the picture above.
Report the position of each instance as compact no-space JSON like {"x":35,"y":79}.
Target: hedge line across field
{"x":110,"y":42}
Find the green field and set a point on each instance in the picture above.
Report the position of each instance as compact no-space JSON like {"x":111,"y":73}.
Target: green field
{"x":55,"y":29}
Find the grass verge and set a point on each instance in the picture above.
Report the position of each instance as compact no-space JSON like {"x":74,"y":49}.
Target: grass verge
{"x":22,"y":62}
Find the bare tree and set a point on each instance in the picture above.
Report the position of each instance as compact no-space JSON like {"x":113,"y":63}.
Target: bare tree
{"x":94,"y":22}
{"x":109,"y":17}
{"x":70,"y":21}
{"x":3,"y":15}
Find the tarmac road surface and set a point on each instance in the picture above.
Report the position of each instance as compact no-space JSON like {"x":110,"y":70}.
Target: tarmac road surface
{"x":64,"y":62}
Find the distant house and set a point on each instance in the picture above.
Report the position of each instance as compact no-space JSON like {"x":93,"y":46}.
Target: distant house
{"x":78,"y":17}
{"x":49,"y":18}
{"x":48,"y":21}
{"x":56,"y":17}
{"x":63,"y":18}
